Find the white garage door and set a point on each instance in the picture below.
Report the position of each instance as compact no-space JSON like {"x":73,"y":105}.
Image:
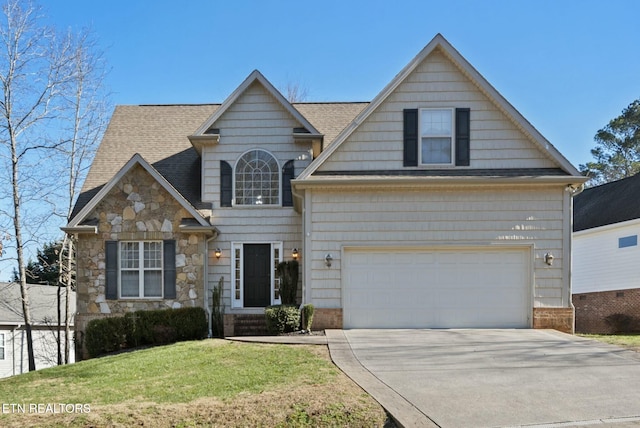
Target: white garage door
{"x":471,"y":288}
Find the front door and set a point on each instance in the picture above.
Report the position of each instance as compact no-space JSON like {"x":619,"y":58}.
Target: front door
{"x":257,"y":275}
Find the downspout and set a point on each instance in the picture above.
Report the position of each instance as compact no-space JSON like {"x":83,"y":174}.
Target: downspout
{"x":13,"y":348}
{"x":300,"y":197}
{"x":207,"y":308}
{"x":573,"y":192}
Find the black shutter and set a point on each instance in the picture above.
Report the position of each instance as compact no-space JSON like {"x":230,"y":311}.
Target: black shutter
{"x":288,"y":171}
{"x":226,"y":184}
{"x":463,"y":116}
{"x":410,"y":137}
{"x":111,"y":274}
{"x":169,"y":271}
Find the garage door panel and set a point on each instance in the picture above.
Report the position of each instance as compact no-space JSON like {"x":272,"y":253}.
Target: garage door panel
{"x":436,"y":288}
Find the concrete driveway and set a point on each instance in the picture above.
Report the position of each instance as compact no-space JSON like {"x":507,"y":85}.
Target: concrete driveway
{"x":493,"y":378}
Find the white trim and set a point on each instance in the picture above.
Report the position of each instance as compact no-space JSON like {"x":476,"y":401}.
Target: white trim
{"x":451,"y":135}
{"x":607,"y":227}
{"x":253,"y":77}
{"x":233,"y":181}
{"x":136,"y":159}
{"x":3,"y":346}
{"x":439,"y":42}
{"x":239,"y":303}
{"x":141,"y":270}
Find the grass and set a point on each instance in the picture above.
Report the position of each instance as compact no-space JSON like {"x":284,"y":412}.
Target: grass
{"x":193,"y":384}
{"x":631,"y":341}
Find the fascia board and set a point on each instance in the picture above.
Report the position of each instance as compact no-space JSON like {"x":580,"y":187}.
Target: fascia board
{"x":136,"y":159}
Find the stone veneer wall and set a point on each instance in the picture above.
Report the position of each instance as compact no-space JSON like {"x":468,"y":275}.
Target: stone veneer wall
{"x":561,"y":319}
{"x":137,"y":208}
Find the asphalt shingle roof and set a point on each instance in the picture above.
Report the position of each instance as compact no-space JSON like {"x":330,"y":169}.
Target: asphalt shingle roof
{"x":43,"y":303}
{"x":159,"y":133}
{"x":609,"y":203}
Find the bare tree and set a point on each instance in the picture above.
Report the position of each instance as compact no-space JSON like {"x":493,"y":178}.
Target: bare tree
{"x":35,"y":67}
{"x":86,"y":105}
{"x":294,"y":92}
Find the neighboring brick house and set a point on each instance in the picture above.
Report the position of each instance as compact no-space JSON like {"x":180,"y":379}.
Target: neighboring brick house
{"x":434,"y":205}
{"x":606,"y":268}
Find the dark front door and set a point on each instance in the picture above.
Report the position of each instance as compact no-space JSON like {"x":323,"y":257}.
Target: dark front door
{"x":257,"y":275}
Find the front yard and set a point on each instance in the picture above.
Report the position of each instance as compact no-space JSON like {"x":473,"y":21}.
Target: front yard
{"x":631,"y":341}
{"x":192,"y":384}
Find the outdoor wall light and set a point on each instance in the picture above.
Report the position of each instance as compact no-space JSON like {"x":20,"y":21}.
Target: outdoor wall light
{"x":548,"y":259}
{"x":218,"y":253}
{"x":295,"y":254}
{"x":328,"y":259}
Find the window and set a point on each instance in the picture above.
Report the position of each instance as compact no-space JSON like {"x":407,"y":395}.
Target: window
{"x":436,"y":137}
{"x":257,"y":179}
{"x":628,"y":241}
{"x":1,"y":346}
{"x":141,"y":269}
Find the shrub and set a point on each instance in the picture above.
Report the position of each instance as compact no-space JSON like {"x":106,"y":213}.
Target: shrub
{"x":621,"y":323}
{"x":307,"y":316}
{"x":105,"y":335}
{"x":288,"y":274}
{"x":217,"y":310}
{"x":157,"y":327}
{"x":282,"y":318}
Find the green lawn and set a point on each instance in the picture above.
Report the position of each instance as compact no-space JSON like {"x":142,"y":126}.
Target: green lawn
{"x":203,"y":383}
{"x":631,"y":341}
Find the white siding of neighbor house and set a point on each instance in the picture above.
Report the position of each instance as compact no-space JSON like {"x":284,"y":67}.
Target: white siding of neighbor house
{"x":496,"y":142}
{"x":44,"y":345}
{"x":454,"y":216}
{"x":598,"y":263}
{"x":255,"y":121}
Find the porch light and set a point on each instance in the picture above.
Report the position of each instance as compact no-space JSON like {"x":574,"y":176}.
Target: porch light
{"x":328,"y":259}
{"x":295,"y":254}
{"x":548,"y":259}
{"x":218,"y":253}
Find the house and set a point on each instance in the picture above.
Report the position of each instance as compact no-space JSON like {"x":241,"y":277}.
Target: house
{"x":44,"y":315}
{"x":606,"y":272}
{"x":434,"y":205}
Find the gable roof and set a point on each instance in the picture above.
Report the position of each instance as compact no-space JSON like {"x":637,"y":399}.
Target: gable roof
{"x":137,"y":159}
{"x":609,"y":203}
{"x":159,"y":133}
{"x":439,"y":42}
{"x":42,"y":302}
{"x":254,"y":77}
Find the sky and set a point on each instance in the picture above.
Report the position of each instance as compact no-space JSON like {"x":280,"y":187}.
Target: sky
{"x":568,"y":66}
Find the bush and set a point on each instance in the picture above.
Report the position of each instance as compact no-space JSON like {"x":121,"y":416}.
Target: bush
{"x":621,"y":323}
{"x":282,"y":318}
{"x":307,"y":316}
{"x":105,"y":335}
{"x":140,"y":328}
{"x":288,"y":274}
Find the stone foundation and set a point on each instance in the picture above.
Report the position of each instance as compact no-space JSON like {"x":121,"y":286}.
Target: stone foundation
{"x":327,"y":318}
{"x":561,"y":319}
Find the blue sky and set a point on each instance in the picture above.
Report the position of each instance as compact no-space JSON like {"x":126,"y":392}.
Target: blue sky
{"x":567,"y":66}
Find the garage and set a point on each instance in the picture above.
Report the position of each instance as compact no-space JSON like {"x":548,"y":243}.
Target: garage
{"x":479,"y":287}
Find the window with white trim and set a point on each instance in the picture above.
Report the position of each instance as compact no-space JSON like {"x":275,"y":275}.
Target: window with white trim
{"x":257,"y":179}
{"x":140,"y":269}
{"x":437,"y":145}
{"x":2,"y":346}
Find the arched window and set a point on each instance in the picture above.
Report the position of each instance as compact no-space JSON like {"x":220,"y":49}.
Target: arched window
{"x":257,"y":179}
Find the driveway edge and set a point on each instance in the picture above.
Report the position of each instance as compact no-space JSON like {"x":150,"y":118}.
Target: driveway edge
{"x":403,"y":412}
